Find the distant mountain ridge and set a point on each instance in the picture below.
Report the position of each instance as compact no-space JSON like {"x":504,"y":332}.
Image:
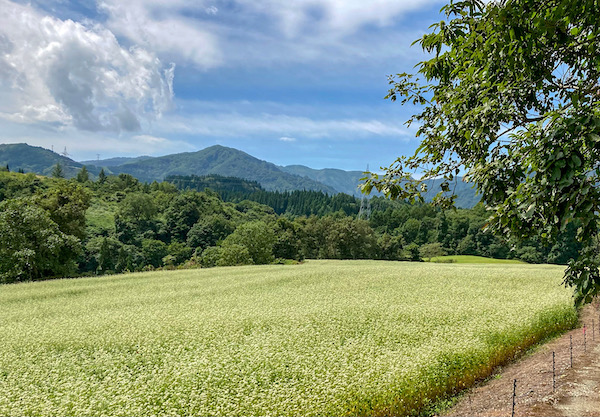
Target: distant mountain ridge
{"x":219,"y":160}
{"x":223,"y":161}
{"x":216,"y":159}
{"x":343,"y":181}
{"x":114,"y":162}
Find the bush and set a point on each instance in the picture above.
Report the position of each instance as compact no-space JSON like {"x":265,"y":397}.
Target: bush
{"x":257,"y":237}
{"x":529,"y":254}
{"x":431,"y":250}
{"x":154,"y":251}
{"x":234,"y":254}
{"x":178,"y":253}
{"x":411,"y":252}
{"x":210,"y":256}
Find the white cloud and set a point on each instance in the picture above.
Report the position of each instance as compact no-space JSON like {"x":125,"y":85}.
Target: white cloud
{"x":149,"y":140}
{"x":66,"y":73}
{"x":281,"y":126}
{"x":334,"y":17}
{"x":212,"y":10}
{"x":159,"y":26}
{"x":261,"y":32}
{"x":105,"y":144}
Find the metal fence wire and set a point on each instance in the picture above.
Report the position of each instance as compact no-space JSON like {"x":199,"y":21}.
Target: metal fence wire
{"x":549,"y":375}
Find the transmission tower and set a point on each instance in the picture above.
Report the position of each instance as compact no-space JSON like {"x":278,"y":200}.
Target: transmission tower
{"x":65,"y":153}
{"x":365,"y":206}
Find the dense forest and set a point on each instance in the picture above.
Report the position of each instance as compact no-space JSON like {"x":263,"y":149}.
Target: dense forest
{"x":54,"y":227}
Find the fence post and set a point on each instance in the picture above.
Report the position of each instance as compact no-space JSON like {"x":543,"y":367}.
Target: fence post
{"x":514,"y":396}
{"x":571,"y":348}
{"x":553,"y":372}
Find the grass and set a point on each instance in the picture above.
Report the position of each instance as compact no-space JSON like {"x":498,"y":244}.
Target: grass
{"x":472,"y":259}
{"x":320,"y":338}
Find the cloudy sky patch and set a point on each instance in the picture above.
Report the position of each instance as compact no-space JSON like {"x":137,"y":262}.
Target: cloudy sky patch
{"x":154,"y":77}
{"x":64,"y":72}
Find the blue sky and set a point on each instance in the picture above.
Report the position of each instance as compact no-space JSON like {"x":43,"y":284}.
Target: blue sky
{"x":288,"y":81}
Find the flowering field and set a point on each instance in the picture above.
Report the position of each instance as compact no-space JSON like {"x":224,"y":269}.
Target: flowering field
{"x":321,"y":338}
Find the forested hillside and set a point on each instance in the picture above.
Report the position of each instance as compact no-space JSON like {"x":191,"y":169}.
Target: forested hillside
{"x":343,"y":181}
{"x":216,"y":161}
{"x":295,"y":203}
{"x":53,"y":227}
{"x":220,"y":160}
{"x":26,"y":158}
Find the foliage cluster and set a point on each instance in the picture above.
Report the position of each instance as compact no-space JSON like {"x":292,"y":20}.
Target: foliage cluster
{"x":293,"y":203}
{"x":118,"y":224}
{"x":510,"y":96}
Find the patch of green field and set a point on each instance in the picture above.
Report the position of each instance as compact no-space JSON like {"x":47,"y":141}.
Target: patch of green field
{"x":320,"y":338}
{"x":472,"y":259}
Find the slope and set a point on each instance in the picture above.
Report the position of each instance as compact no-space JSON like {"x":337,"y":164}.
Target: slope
{"x":222,"y":161}
{"x":348,"y":182}
{"x":343,"y":181}
{"x":35,"y":159}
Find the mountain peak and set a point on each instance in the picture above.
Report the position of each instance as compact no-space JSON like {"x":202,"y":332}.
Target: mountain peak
{"x":225,"y":161}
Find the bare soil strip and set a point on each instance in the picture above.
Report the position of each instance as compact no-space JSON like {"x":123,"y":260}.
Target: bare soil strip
{"x":577,"y":389}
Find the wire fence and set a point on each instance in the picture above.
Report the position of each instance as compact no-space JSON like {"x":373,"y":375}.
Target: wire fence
{"x":548,"y":379}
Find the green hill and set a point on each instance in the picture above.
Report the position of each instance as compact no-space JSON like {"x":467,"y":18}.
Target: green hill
{"x":348,"y":182}
{"x":223,"y":161}
{"x":215,"y":160}
{"x":473,"y":259}
{"x":35,"y":159}
{"x":343,"y":181}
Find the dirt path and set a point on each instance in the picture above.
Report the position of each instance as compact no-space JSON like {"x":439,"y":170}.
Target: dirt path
{"x":576,"y":391}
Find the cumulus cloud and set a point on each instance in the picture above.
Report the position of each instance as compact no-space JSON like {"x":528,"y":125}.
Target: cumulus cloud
{"x":71,"y":74}
{"x":287,"y":139}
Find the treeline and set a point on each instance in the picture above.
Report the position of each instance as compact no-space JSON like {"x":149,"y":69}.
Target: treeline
{"x":51,"y":227}
{"x":291,"y":203}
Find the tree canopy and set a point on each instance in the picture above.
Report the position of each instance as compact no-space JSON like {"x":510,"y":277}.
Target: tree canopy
{"x":33,"y":246}
{"x":53,"y":227}
{"x":510,"y":97}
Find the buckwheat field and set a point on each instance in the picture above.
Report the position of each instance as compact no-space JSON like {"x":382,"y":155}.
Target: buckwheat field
{"x":320,"y":338}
